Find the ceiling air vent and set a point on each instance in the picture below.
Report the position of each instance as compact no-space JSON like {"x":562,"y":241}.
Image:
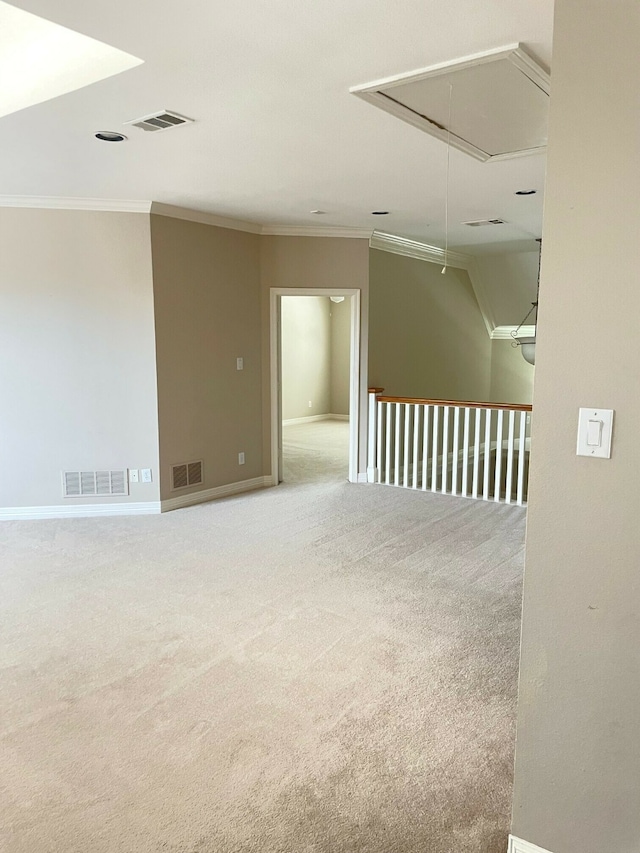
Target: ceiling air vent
{"x":163,"y":120}
{"x":186,"y":474}
{"x":81,"y":484}
{"x":478,"y":223}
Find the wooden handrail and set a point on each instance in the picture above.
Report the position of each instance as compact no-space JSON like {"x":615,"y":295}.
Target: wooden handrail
{"x":463,"y":404}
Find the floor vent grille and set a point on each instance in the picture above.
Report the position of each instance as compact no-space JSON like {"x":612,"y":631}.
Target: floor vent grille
{"x":186,"y":474}
{"x":81,"y":484}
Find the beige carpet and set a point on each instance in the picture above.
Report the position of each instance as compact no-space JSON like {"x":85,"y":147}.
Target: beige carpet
{"x":316,"y":668}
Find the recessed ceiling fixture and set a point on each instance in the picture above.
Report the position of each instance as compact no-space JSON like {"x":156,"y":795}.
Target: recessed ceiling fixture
{"x":162,"y":120}
{"x":110,"y":136}
{"x":479,"y":223}
{"x":40,"y":60}
{"x":500,"y":107}
{"x":526,"y":192}
{"x":379,"y":212}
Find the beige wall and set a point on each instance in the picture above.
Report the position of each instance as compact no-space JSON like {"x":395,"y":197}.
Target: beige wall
{"x":577,"y":774}
{"x":511,"y":375}
{"x":510,"y":282}
{"x":427,"y":337}
{"x":340,"y":356}
{"x":77,"y":382}
{"x":207,"y":303}
{"x":306,"y":356}
{"x":322,"y":262}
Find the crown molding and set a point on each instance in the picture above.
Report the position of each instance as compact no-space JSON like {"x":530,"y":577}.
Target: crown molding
{"x":416,"y":249}
{"x":503,"y":333}
{"x":315,"y":231}
{"x":60,"y":203}
{"x":205,"y":218}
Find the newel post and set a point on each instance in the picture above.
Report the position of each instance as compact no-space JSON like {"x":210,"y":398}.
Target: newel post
{"x":372,"y":472}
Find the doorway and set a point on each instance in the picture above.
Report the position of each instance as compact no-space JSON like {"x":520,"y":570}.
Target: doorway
{"x":351,"y":301}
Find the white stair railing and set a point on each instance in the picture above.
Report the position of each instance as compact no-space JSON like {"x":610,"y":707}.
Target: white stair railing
{"x":474,"y":450}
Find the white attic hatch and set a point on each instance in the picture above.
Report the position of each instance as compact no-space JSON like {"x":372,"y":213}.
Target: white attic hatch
{"x":499,"y":102}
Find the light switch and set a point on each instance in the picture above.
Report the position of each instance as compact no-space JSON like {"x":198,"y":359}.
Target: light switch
{"x":594,"y":433}
{"x":595,"y":428}
{"x":239,"y":363}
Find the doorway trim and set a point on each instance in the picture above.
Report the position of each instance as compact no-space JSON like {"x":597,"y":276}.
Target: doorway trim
{"x":275,"y":347}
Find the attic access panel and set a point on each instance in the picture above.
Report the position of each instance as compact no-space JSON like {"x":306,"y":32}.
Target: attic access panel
{"x":499,"y":102}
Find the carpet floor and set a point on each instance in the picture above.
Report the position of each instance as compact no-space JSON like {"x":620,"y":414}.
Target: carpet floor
{"x":316,"y":668}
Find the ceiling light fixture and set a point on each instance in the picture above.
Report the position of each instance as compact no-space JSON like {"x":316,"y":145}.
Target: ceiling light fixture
{"x":527,"y":344}
{"x":110,"y":136}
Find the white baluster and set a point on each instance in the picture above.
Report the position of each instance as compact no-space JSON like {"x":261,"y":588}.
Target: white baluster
{"x":522,"y":441}
{"x":510,"y":442}
{"x":416,"y":444}
{"x":372,"y":442}
{"x":445,"y":449}
{"x":434,"y":449}
{"x":387,"y":461}
{"x":379,"y":448}
{"x":487,"y":454}
{"x":396,"y":469}
{"x":497,"y":483}
{"x":465,"y":453}
{"x":425,"y":446}
{"x":407,"y":454}
{"x":456,"y":442}
{"x":476,"y":452}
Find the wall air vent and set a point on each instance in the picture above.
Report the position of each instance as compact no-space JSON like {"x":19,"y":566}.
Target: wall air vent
{"x":82,"y":484}
{"x":186,"y":474}
{"x":163,"y":120}
{"x":499,"y":102}
{"x":478,"y":223}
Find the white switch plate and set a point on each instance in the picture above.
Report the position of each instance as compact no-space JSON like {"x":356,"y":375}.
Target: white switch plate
{"x":595,"y":427}
{"x":133,"y":475}
{"x":239,"y":364}
{"x":240,"y":458}
{"x":146,"y":475}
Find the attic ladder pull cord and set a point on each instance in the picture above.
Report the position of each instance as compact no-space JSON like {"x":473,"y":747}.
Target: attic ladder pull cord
{"x":446,"y":197}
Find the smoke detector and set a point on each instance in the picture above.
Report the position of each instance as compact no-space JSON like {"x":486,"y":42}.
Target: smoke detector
{"x":162,"y":120}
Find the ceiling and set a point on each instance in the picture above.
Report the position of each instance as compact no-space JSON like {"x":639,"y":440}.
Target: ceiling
{"x":277,"y":132}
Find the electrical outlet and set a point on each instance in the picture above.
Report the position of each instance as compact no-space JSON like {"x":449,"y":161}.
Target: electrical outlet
{"x":309,"y":403}
{"x":240,"y":458}
{"x":133,"y":475}
{"x":146,"y":475}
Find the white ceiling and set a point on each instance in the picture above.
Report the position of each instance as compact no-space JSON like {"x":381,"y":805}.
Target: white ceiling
{"x":277,"y":133}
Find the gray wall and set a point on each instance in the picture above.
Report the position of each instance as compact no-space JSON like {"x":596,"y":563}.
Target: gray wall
{"x":427,"y":337}
{"x":306,"y":356}
{"x":511,"y":375}
{"x":340,"y":356}
{"x":577,"y":773}
{"x":77,"y":383}
{"x":207,"y":313}
{"x":510,"y":282}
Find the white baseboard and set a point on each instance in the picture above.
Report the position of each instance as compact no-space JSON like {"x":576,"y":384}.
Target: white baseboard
{"x":517,"y":845}
{"x":34,"y":513}
{"x":312,"y":418}
{"x":218,"y":492}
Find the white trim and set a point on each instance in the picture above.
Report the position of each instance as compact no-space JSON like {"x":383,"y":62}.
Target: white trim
{"x":312,"y":418}
{"x":59,"y":203}
{"x":31,"y":513}
{"x":416,"y":249}
{"x":217,"y":492}
{"x":517,"y":845}
{"x":354,"y":371}
{"x":315,"y":231}
{"x":503,"y":333}
{"x":363,"y":478}
{"x":204,"y":218}
{"x":373,"y":93}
